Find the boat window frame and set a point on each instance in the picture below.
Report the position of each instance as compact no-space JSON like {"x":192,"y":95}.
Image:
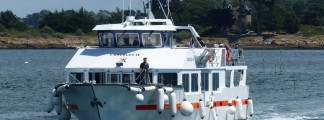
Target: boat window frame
{"x":83,"y":77}
{"x":217,"y":88}
{"x":203,"y":80}
{"x":192,"y":83}
{"x":132,"y":77}
{"x":162,"y":82}
{"x":100,"y":34}
{"x":120,"y":80}
{"x":152,"y":32}
{"x":189,"y":79}
{"x":102,"y":81}
{"x":125,"y":32}
{"x":167,"y":39}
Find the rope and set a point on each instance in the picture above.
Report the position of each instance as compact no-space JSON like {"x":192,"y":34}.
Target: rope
{"x":74,"y":78}
{"x":95,"y":98}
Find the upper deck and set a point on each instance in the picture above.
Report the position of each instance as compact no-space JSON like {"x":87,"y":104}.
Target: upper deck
{"x":149,"y":33}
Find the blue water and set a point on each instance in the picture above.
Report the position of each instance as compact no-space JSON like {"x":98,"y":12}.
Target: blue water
{"x":284,"y":84}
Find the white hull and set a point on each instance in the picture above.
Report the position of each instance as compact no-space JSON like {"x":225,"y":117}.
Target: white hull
{"x":119,"y":104}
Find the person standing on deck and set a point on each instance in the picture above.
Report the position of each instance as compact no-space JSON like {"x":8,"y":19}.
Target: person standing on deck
{"x":144,"y":67}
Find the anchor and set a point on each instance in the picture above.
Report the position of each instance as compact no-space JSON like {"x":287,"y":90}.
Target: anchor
{"x":96,"y":102}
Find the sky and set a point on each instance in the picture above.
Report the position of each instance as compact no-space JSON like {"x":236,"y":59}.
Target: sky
{"x":24,"y":7}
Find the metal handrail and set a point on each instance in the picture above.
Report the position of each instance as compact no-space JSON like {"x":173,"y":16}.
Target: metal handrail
{"x":74,"y":78}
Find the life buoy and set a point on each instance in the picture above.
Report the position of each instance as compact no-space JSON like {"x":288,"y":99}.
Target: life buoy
{"x":228,"y":56}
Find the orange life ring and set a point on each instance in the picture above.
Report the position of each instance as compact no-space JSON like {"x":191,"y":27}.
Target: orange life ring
{"x":228,"y":56}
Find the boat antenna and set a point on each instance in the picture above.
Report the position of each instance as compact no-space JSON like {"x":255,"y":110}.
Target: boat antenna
{"x":168,"y":8}
{"x":144,"y":9}
{"x":149,"y":13}
{"x":123,"y":11}
{"x":130,"y":7}
{"x":163,"y":10}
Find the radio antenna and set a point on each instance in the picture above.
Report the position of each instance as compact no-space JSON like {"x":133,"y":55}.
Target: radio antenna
{"x":123,"y":11}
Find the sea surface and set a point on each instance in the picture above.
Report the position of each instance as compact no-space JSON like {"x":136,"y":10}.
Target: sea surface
{"x":284,"y":84}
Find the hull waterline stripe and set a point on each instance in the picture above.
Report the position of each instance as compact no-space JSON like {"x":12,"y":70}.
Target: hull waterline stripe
{"x":72,"y":107}
{"x":195,"y":105}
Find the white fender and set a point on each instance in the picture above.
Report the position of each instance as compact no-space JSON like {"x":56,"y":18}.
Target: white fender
{"x":231,"y":110}
{"x":139,"y":98}
{"x":62,"y":89}
{"x":186,"y":108}
{"x":58,"y":109}
{"x":50,"y":105}
{"x":160,"y":100}
{"x":65,"y":114}
{"x":173,"y":104}
{"x":250,"y":107}
{"x":166,"y":99}
{"x":239,"y":108}
{"x":150,"y":88}
{"x":202,"y":111}
{"x":57,"y":101}
{"x":168,"y":89}
{"x":135,"y":90}
{"x":214,"y":114}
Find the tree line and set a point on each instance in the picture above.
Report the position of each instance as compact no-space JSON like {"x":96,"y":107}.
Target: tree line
{"x":209,"y":17}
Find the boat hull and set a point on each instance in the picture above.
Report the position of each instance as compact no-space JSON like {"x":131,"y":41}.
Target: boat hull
{"x":104,"y":102}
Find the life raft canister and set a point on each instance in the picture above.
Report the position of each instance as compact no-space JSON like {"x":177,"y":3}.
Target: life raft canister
{"x":211,"y":58}
{"x":228,"y":56}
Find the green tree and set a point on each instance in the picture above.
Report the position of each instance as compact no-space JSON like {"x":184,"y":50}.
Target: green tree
{"x":11,"y":21}
{"x":274,"y":18}
{"x":102,"y":17}
{"x":56,"y":21}
{"x":259,"y":6}
{"x":299,"y":7}
{"x":82,"y":19}
{"x":291,"y":22}
{"x":219,"y":24}
{"x":33,"y":19}
{"x":314,"y":15}
{"x":69,"y":21}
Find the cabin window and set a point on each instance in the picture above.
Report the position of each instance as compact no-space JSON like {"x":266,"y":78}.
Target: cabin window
{"x":127,"y":40}
{"x":185,"y":82}
{"x":168,"y":78}
{"x":76,"y":77}
{"x":152,"y":40}
{"x":140,"y":80}
{"x":127,"y":78}
{"x":99,"y":77}
{"x":204,"y":81}
{"x":194,"y":82}
{"x":113,"y":78}
{"x":215,"y":81}
{"x":106,"y":39}
{"x":167,"y":36}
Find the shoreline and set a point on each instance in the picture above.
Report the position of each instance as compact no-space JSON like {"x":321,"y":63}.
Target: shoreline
{"x":249,"y":42}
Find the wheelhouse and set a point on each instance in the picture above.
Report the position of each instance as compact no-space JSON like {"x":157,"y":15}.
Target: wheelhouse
{"x":134,"y":39}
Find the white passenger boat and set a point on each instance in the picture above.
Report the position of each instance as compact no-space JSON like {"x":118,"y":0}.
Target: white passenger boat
{"x":182,"y":83}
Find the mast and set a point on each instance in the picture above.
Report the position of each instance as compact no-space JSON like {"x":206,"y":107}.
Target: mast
{"x":149,"y":9}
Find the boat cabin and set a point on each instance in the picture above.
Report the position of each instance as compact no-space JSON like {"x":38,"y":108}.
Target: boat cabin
{"x":122,"y":48}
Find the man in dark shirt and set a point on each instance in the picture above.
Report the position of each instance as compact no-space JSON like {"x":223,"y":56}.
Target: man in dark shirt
{"x":144,"y":67}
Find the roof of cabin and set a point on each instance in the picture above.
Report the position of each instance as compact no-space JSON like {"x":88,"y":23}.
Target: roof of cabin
{"x":166,"y":26}
{"x":162,"y":58}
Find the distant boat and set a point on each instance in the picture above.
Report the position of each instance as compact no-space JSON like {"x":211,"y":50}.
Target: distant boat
{"x":181,"y":83}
